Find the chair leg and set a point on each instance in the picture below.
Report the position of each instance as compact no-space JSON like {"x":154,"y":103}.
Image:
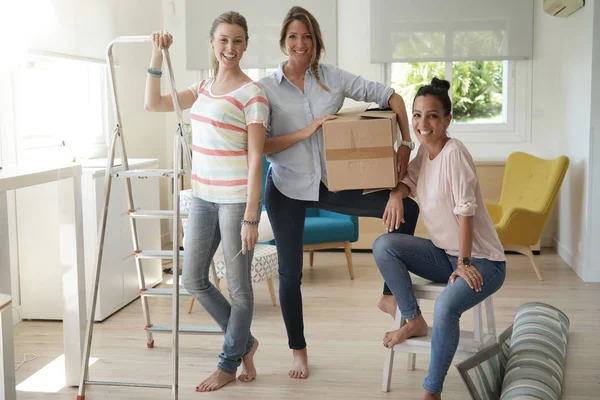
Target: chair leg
{"x":311,"y":257}
{"x":191,"y":305}
{"x":477,"y":331}
{"x":490,"y":318}
{"x":348,"y":250}
{"x":272,"y":291}
{"x":526,"y":250}
{"x":388,"y":364}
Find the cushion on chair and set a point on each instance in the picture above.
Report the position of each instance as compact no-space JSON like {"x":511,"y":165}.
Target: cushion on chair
{"x":264,"y":263}
{"x":326,"y":230}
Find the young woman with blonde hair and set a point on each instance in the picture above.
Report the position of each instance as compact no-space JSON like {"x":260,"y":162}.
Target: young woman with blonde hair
{"x":229,"y":113}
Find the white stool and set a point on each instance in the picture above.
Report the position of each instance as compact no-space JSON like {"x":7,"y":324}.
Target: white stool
{"x":469,"y":344}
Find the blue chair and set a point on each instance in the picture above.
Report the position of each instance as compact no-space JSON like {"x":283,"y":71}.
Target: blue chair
{"x":325,"y":230}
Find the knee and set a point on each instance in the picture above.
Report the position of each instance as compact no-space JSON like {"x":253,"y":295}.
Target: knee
{"x":445,"y":311}
{"x":193,"y":283}
{"x":411,"y":209}
{"x":290,"y":276}
{"x":383,"y":244}
{"x":241,"y":295}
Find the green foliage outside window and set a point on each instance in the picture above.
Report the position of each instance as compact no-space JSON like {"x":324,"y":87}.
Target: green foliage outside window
{"x":476,"y":87}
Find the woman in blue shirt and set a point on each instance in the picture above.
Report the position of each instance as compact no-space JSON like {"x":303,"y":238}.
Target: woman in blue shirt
{"x":303,"y":94}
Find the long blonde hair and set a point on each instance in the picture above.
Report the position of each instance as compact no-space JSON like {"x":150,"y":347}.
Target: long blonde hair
{"x":298,"y":13}
{"x":232,"y":18}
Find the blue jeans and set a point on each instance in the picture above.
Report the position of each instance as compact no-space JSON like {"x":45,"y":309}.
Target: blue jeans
{"x":208,"y":225}
{"x":287,"y":220}
{"x":396,"y":255}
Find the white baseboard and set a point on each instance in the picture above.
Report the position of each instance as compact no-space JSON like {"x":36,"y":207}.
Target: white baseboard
{"x":576,"y":265}
{"x":16,"y":311}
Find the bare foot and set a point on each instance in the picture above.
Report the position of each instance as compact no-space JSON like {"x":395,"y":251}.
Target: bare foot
{"x":431,"y":396}
{"x":215,"y":381}
{"x":387,"y":304}
{"x":300,"y":368}
{"x":248,"y":368}
{"x":413,"y":328}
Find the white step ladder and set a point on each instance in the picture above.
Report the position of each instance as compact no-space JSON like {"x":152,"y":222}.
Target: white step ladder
{"x":176,"y":174}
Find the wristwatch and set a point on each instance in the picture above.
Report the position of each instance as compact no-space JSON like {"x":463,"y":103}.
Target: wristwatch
{"x":466,"y":261}
{"x":410,"y":145}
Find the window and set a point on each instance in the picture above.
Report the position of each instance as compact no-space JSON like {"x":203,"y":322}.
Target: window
{"x":59,"y":109}
{"x":487,"y":96}
{"x":257,"y":73}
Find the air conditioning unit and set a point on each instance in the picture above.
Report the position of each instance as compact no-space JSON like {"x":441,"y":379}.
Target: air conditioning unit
{"x":562,"y":8}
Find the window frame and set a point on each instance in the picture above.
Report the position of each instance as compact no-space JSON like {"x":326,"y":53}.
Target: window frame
{"x":517,"y":107}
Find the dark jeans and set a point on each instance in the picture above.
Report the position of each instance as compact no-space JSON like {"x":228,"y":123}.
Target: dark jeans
{"x":287,"y":220}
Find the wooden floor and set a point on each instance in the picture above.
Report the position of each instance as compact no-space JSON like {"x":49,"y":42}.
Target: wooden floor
{"x":343,"y":329}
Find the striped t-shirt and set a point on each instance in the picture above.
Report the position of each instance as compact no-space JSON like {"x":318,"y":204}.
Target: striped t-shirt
{"x":220,"y":140}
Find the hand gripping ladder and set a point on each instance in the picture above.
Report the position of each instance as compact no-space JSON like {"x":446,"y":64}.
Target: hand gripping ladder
{"x":180,"y":147}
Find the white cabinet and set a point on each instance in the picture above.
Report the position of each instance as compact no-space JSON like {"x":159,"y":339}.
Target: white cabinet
{"x":39,"y":267}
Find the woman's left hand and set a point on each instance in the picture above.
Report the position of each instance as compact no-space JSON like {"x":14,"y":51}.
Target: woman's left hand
{"x":402,"y":158}
{"x":469,"y":274}
{"x":249,"y":237}
{"x":393,"y":215}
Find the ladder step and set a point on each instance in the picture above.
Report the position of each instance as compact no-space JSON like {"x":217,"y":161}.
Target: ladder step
{"x":188,"y":329}
{"x":164,"y":292}
{"x":129,"y":384}
{"x":146,"y":173}
{"x":157,"y":254}
{"x":155,"y":214}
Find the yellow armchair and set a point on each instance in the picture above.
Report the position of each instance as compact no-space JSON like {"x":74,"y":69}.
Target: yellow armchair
{"x":529,"y":190}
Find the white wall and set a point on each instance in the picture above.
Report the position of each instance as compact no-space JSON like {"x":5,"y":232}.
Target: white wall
{"x":593,"y":271}
{"x":562,"y":92}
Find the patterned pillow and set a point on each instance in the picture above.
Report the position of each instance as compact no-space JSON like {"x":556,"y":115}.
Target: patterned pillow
{"x":536,"y":360}
{"x":483,"y":372}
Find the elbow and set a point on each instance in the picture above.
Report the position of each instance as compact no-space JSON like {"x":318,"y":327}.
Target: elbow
{"x":149,"y":107}
{"x":396,"y":101}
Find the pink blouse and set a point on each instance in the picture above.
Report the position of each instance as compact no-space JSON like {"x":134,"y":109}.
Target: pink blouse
{"x":445,"y":188}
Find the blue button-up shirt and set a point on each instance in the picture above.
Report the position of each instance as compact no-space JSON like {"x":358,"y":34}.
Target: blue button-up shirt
{"x":298,"y":170}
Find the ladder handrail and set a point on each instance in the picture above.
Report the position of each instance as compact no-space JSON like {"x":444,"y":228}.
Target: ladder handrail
{"x":177,"y":109}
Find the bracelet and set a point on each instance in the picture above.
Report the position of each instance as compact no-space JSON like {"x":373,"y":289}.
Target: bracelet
{"x":250,"y":223}
{"x":154,"y":72}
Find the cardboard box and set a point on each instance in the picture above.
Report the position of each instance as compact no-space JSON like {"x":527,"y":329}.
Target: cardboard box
{"x":359,"y":150}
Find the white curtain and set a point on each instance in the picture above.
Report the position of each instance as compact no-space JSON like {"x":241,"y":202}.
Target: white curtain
{"x":264,"y":19}
{"x":456,"y":30}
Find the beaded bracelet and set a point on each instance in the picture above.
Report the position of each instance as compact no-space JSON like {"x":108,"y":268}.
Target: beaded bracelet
{"x":154,"y":72}
{"x":251,"y":223}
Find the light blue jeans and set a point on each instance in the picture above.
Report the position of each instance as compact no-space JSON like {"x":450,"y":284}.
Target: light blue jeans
{"x":396,"y":255}
{"x":208,"y":225}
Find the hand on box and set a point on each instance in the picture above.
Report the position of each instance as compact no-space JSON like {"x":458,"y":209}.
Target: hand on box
{"x":393,"y":215}
{"x":402,"y":158}
{"x":316,"y":124}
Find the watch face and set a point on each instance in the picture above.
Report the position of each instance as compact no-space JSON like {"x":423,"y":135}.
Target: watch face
{"x":466,"y":261}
